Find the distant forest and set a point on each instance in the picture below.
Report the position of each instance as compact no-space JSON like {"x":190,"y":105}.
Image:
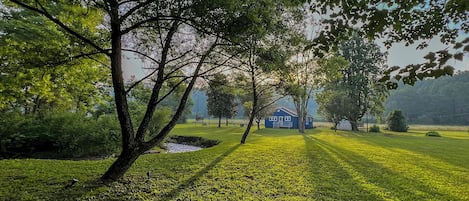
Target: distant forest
{"x":443,"y":101}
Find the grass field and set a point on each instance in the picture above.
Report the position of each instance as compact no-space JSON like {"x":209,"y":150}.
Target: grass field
{"x":273,"y":165}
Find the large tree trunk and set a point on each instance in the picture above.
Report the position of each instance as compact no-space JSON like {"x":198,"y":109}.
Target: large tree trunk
{"x":128,"y":155}
{"x":301,"y":116}
{"x":120,"y":166}
{"x":354,"y":125}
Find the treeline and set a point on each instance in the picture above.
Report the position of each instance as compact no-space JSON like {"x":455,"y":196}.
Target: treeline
{"x":435,"y":101}
{"x":199,"y":109}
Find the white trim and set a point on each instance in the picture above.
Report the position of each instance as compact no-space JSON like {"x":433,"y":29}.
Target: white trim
{"x":287,"y":118}
{"x":288,"y":111}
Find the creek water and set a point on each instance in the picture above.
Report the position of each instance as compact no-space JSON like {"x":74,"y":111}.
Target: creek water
{"x":178,"y":148}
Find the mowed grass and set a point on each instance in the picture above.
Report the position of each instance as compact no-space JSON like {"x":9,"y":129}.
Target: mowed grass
{"x":275,"y":164}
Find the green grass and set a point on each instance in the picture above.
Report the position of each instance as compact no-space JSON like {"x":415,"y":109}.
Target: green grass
{"x":275,"y":164}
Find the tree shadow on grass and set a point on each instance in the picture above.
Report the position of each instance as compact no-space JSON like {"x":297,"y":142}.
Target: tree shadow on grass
{"x":190,"y":182}
{"x":432,"y":147}
{"x":374,"y":176}
{"x":330,"y":180}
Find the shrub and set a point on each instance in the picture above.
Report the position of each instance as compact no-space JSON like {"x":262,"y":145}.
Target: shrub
{"x":433,"y":134}
{"x":374,"y":129}
{"x":64,"y":134}
{"x":397,"y":122}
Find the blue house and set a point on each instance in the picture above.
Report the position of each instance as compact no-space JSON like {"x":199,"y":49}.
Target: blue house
{"x":286,"y":118}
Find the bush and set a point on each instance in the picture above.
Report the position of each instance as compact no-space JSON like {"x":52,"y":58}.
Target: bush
{"x":433,"y":134}
{"x":397,"y":122}
{"x":374,"y":129}
{"x":63,"y":134}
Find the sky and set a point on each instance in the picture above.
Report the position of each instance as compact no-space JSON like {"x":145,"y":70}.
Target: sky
{"x":401,"y":55}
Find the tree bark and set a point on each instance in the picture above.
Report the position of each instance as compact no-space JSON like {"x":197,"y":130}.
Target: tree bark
{"x":354,"y":125}
{"x":120,"y":166}
{"x":219,"y":121}
{"x":254,"y":106}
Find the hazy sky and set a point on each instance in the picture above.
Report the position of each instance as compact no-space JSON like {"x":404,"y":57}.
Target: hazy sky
{"x":401,"y":55}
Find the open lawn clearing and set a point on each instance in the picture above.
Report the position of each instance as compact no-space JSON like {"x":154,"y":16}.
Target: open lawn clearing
{"x":275,"y":164}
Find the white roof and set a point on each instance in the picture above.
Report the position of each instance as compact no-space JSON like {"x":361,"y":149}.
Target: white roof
{"x":288,"y":111}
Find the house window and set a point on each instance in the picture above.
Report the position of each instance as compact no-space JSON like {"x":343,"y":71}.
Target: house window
{"x":287,"y":118}
{"x":273,"y":118}
{"x":280,"y":118}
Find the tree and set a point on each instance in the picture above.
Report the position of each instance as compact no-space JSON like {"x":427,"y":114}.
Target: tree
{"x":352,"y":75}
{"x":359,"y":78}
{"x":265,"y":103}
{"x":197,"y":28}
{"x":264,"y":55}
{"x":333,"y":105}
{"x":298,"y":83}
{"x":221,"y":100}
{"x":410,"y":22}
{"x":397,"y":122}
{"x":37,"y":71}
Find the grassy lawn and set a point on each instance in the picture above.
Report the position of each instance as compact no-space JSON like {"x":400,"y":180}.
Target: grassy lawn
{"x":273,"y":165}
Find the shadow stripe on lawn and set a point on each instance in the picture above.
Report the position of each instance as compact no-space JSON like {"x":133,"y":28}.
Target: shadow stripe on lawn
{"x":189,"y":182}
{"x":401,"y":187}
{"x":331,"y":180}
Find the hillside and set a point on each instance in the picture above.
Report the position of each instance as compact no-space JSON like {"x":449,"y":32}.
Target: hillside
{"x":435,"y":101}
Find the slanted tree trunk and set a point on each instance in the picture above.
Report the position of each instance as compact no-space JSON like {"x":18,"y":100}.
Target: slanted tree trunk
{"x":121,"y":165}
{"x":254,"y":107}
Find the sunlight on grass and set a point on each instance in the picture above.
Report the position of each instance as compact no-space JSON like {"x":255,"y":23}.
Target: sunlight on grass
{"x":445,"y":179}
{"x":275,"y":164}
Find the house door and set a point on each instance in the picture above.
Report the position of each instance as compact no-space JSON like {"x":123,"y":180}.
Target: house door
{"x":280,"y":121}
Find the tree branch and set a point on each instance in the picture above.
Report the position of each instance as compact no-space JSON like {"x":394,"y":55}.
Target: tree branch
{"x":46,"y":14}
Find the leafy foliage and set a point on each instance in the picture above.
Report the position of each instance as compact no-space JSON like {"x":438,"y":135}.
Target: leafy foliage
{"x":40,"y":70}
{"x":432,"y":134}
{"x":221,"y":100}
{"x":397,"y":122}
{"x":411,"y":22}
{"x":65,"y":133}
{"x":351,"y":89}
{"x":374,"y":129}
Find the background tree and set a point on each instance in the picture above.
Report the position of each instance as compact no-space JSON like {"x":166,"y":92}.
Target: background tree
{"x":298,"y":83}
{"x":334,"y":105}
{"x":397,"y":122}
{"x":359,"y":78}
{"x":353,"y":75}
{"x":221,"y":101}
